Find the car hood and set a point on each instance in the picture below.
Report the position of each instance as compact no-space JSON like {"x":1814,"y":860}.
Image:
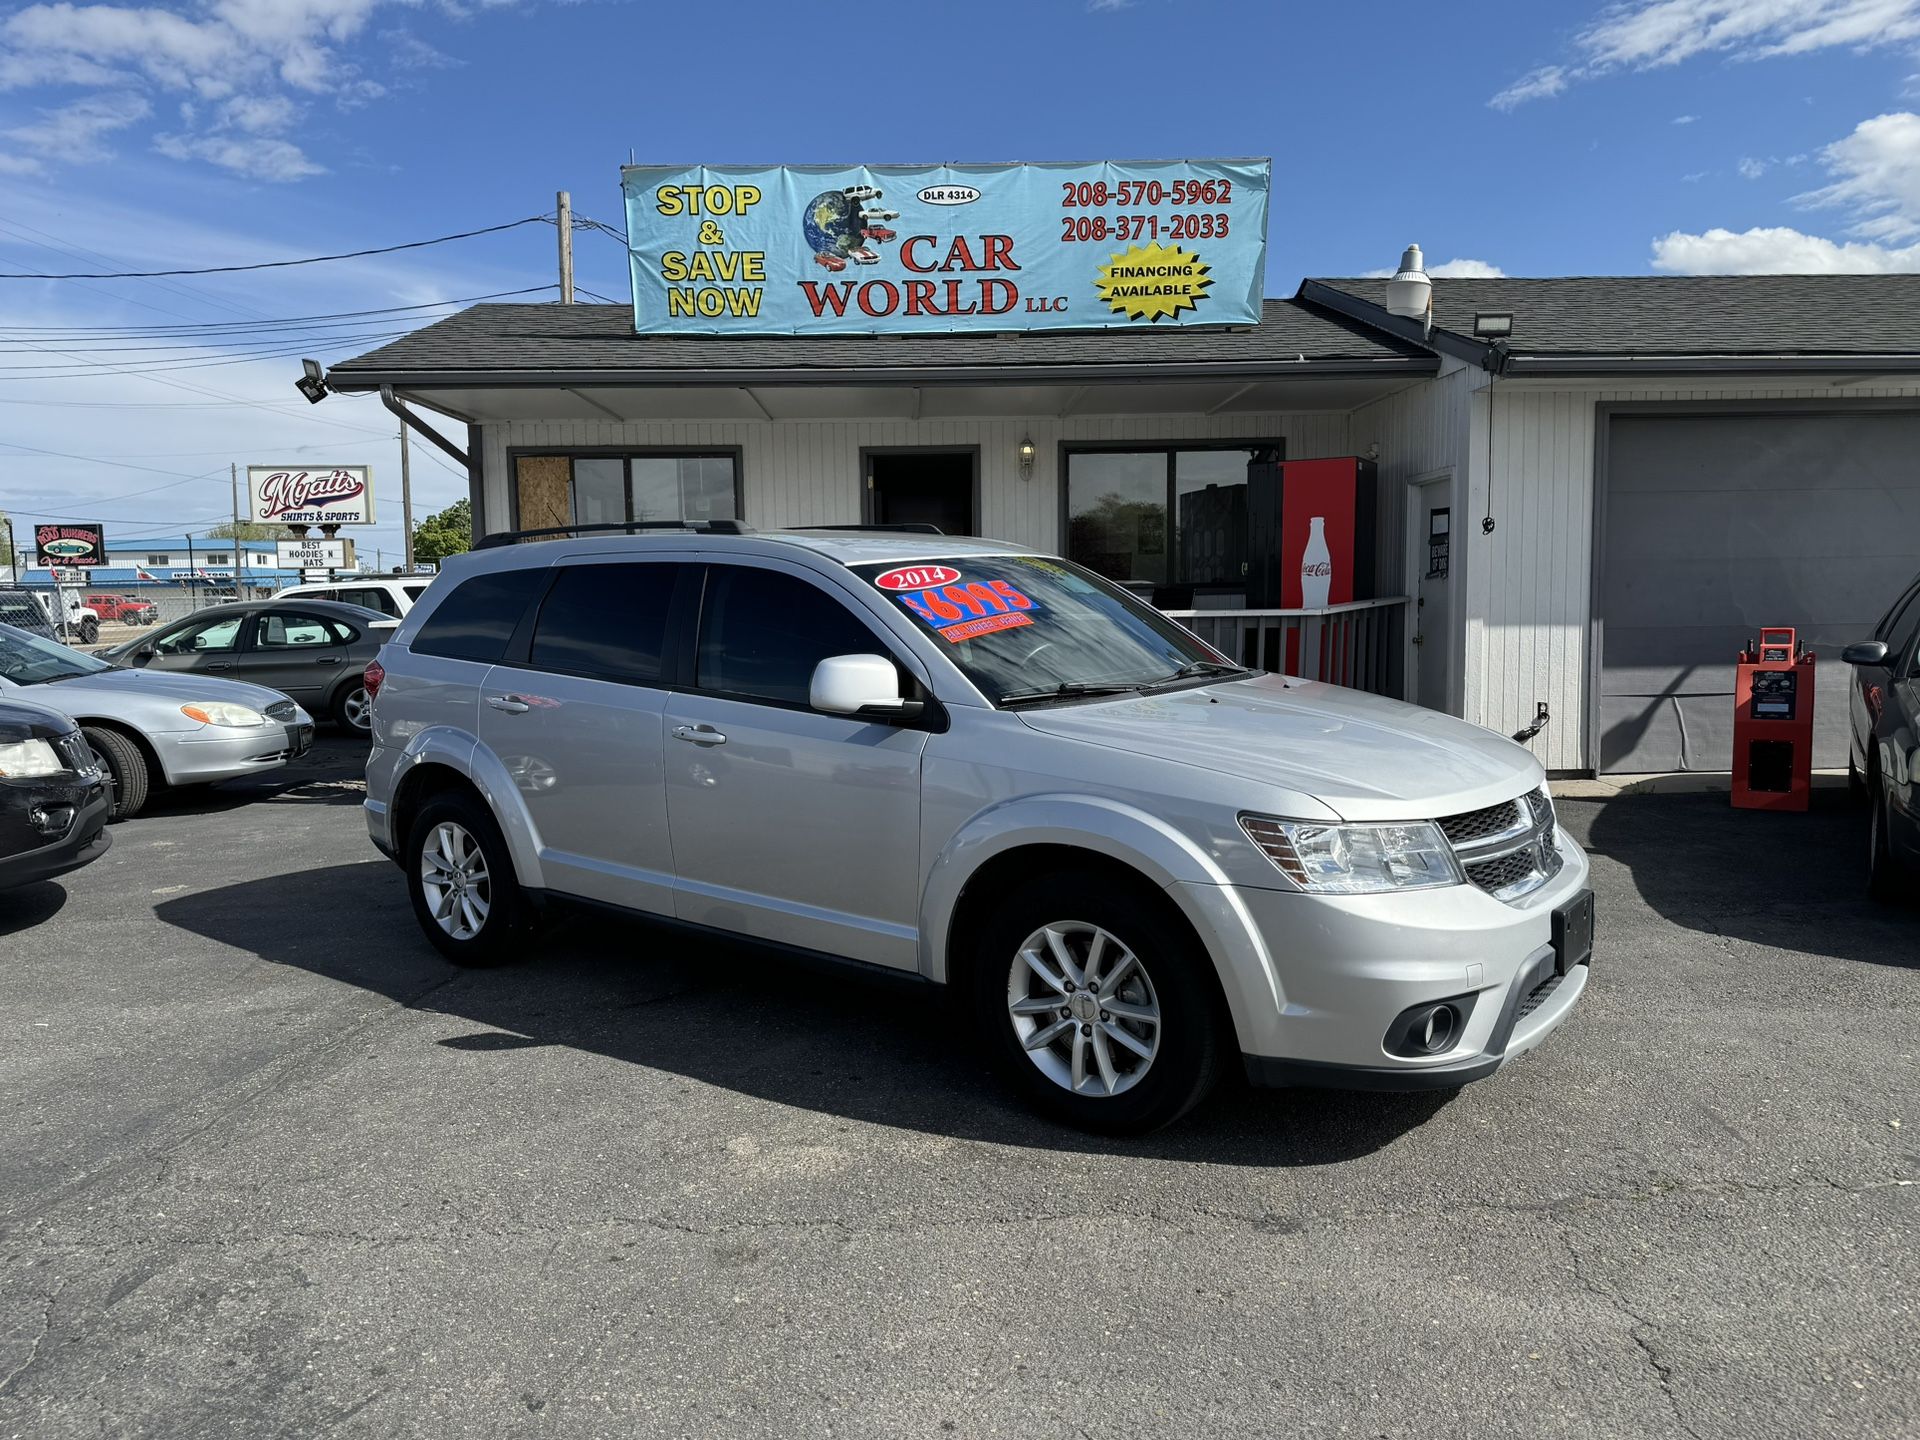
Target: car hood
{"x":1363,"y":756}
{"x":128,"y":694}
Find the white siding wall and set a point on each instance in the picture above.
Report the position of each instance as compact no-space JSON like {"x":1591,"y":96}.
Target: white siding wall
{"x":1528,"y":593}
{"x":807,"y":472}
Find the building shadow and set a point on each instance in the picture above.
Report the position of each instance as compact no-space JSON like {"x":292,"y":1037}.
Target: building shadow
{"x":1792,"y":880}
{"x":30,"y":905}
{"x":730,"y":1015}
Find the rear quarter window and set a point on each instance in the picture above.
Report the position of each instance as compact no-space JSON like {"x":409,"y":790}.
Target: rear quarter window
{"x":478,"y":618}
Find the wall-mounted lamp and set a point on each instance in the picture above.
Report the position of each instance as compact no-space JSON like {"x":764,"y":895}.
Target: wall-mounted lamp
{"x":1494,"y":325}
{"x":1027,"y":452}
{"x":312,"y":382}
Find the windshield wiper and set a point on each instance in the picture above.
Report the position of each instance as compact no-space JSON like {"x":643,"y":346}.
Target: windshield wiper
{"x":1071,"y":690}
{"x":1193,"y":669}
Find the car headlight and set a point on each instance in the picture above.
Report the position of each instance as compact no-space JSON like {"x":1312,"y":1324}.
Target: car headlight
{"x":1355,"y":859}
{"x":26,"y":759}
{"x":219,"y":712}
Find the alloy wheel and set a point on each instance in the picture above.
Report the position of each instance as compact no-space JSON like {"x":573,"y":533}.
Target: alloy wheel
{"x":1084,"y":1008}
{"x":454,"y":879}
{"x":357,"y":709}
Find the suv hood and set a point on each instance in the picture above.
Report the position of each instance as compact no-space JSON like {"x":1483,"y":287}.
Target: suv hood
{"x":1365,"y":757}
{"x":118,"y":692}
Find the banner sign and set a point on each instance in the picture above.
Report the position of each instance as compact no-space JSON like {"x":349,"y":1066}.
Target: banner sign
{"x":284,"y":495}
{"x":882,"y":249}
{"x":313,"y":554}
{"x":68,"y":545}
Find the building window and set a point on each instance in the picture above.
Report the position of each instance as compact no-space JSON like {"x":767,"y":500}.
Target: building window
{"x":553,"y":491}
{"x":218,"y":558}
{"x":1163,"y":516}
{"x":159,"y":559}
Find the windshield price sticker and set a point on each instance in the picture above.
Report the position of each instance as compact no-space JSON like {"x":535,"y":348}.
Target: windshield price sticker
{"x":962,"y":610}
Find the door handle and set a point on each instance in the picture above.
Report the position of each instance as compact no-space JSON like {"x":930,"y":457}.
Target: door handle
{"x":223,"y":665}
{"x":327,"y":660}
{"x":699,"y":735}
{"x":512,"y":704}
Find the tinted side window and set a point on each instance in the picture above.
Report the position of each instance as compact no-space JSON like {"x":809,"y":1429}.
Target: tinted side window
{"x":373,"y":597}
{"x":479,"y":617}
{"x":1903,"y":626}
{"x":607,"y":621}
{"x":284,"y":629}
{"x":762,"y":633}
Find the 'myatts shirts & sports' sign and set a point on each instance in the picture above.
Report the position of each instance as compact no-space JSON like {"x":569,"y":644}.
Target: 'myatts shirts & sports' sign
{"x":738,"y":250}
{"x":337,"y":495}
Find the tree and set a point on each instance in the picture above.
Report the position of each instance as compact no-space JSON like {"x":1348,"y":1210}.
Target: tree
{"x":448,"y":533}
{"x":247,"y":530}
{"x":6,"y":543}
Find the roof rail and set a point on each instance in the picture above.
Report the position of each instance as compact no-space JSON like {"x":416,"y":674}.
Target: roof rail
{"x":618,"y":527}
{"x":903,"y":527}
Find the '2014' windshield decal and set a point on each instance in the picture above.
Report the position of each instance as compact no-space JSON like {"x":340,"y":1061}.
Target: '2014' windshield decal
{"x":966,"y":609}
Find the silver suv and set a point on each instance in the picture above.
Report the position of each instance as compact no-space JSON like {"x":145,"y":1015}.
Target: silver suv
{"x":1129,"y":858}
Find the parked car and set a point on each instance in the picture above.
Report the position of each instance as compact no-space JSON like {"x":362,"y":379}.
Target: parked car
{"x":53,"y":796}
{"x":58,"y":613}
{"x":124,"y":609}
{"x":25,"y":610}
{"x":391,"y":597}
{"x":315,"y":651}
{"x":150,"y":728}
{"x":1883,"y":710}
{"x":1133,"y":859}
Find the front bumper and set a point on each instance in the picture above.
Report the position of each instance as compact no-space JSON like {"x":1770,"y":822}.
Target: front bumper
{"x":85,"y":839}
{"x":1314,"y":981}
{"x":199,"y":757}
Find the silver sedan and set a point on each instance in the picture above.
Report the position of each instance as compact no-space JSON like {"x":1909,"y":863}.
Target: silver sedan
{"x":152,"y":728}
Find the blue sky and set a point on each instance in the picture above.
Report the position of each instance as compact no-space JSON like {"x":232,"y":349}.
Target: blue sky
{"x":1531,"y":138}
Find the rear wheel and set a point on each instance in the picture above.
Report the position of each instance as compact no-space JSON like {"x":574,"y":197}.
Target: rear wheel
{"x":89,"y":631}
{"x":128,"y":778}
{"x":461,"y":879}
{"x":1096,"y":1006}
{"x":352,"y":708}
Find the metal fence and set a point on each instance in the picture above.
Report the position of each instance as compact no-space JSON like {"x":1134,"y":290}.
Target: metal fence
{"x":1360,"y":644}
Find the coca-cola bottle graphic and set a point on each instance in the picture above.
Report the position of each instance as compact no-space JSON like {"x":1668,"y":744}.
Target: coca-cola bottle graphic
{"x":1316,"y":566}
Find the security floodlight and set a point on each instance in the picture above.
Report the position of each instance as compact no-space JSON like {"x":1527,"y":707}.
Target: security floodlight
{"x":1493,"y":326}
{"x":1410,"y":292}
{"x":312,"y":382}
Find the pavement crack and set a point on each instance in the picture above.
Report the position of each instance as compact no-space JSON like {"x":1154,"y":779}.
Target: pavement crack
{"x":1640,"y":1330}
{"x":33,"y":1352}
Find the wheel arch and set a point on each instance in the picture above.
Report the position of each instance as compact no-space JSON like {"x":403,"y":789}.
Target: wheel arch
{"x":156,"y":768}
{"x":437,"y":760}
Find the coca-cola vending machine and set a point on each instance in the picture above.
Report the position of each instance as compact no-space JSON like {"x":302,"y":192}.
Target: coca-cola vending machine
{"x":1310,"y":539}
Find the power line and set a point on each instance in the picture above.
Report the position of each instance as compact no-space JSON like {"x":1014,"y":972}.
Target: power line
{"x":281,"y":264}
{"x":222,"y":327}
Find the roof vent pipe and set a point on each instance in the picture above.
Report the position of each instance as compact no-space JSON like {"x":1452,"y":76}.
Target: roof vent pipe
{"x":1410,"y":292}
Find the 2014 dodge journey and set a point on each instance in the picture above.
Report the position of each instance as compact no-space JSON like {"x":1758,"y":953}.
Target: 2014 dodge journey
{"x":1131,"y":860}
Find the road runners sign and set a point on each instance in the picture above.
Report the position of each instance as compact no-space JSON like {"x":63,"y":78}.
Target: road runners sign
{"x":734,"y":250}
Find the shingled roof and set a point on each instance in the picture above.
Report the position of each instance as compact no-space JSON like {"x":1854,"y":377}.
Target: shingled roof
{"x":596,"y":344}
{"x":1600,"y":324}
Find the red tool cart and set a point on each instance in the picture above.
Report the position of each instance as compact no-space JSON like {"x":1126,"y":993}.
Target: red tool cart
{"x":1773,"y":724}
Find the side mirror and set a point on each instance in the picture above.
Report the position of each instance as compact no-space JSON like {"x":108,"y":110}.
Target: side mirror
{"x":141,"y":656}
{"x":864,"y":685}
{"x":1867,"y":652}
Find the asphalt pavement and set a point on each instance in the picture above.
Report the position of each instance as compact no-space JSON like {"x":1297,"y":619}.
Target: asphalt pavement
{"x":271,"y":1168}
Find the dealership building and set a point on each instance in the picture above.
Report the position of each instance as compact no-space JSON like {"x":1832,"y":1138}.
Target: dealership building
{"x":1585,"y":493}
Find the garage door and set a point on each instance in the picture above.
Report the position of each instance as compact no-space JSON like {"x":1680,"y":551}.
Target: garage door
{"x":1717,"y":525}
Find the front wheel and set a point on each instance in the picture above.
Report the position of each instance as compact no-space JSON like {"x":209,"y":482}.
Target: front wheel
{"x":1097,"y":1006}
{"x":128,"y":777}
{"x":1885,"y":882}
{"x":461,"y":880}
{"x":89,"y":631}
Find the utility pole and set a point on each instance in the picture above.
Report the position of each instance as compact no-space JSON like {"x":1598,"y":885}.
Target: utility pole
{"x":406,"y":503}
{"x":564,"y":216}
{"x":239,"y":556}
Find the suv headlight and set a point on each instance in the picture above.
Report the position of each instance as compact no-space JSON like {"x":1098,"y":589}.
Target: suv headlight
{"x":219,"y":712}
{"x":1355,"y":859}
{"x":27,"y":759}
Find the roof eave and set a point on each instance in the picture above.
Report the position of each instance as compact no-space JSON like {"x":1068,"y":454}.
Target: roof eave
{"x":1601,"y":365}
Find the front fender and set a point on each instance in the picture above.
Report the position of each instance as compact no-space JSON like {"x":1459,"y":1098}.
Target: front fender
{"x":1119,"y":832}
{"x":461,"y":753}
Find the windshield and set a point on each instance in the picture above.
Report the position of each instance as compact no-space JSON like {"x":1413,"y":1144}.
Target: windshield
{"x":29,"y":660}
{"x":1028,"y":629}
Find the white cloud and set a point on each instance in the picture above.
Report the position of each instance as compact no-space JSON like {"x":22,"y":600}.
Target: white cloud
{"x":1096,"y":6}
{"x":1877,"y":170}
{"x":1693,"y":177}
{"x":1646,"y":34}
{"x":1685,"y":119}
{"x":1539,"y":84}
{"x":1460,"y":269}
{"x":248,"y":61}
{"x":1776,"y":250}
{"x":74,"y":132}
{"x":1750,"y":168}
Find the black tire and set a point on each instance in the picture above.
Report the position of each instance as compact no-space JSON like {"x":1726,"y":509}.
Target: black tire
{"x":1886,"y":882}
{"x":352,"y":710}
{"x":89,"y":631}
{"x":126,"y":767}
{"x":1194,"y":1030}
{"x":1856,"y":787}
{"x":503,"y":932}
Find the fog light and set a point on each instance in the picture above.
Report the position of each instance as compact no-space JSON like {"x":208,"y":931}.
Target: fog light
{"x":1432,"y":1028}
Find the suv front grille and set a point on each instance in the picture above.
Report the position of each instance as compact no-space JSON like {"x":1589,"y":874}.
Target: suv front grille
{"x":1508,"y":849}
{"x":75,"y":754}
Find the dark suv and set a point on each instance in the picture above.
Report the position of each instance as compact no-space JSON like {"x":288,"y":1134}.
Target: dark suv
{"x":1884,"y":713}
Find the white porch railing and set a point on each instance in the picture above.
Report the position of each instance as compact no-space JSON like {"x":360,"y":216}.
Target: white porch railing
{"x":1358,"y":644}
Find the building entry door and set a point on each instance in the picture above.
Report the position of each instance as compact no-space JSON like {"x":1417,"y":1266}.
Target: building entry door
{"x":924,"y":486}
{"x":1430,"y":569}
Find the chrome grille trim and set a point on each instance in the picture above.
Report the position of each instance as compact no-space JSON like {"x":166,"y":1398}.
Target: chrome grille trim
{"x":1508,"y":860}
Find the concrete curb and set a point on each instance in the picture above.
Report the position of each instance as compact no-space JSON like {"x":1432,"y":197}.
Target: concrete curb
{"x":1678,"y":782}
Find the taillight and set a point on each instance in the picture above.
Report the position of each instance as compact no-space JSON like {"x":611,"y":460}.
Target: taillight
{"x":375,"y":674}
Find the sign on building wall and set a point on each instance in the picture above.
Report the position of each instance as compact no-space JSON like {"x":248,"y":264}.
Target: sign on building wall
{"x":734,"y":250}
{"x":336,"y":495}
{"x":68,"y":545}
{"x":313,"y":554}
